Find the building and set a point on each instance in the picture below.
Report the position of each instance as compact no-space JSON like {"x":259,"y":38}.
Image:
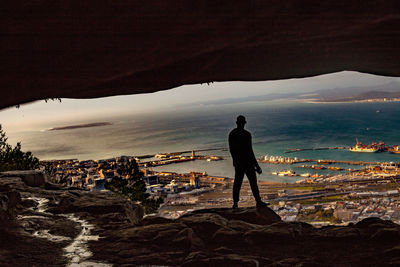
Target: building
{"x":150,"y":179}
{"x":99,"y":184}
{"x":106,"y":173}
{"x":194,"y":180}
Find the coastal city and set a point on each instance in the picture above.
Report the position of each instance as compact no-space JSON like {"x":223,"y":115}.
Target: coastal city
{"x":352,"y":191}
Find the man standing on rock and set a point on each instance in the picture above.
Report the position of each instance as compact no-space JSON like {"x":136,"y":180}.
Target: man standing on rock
{"x":244,"y":161}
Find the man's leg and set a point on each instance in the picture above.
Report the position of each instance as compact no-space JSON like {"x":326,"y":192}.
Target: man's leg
{"x":251,"y":175}
{"x":237,"y":184}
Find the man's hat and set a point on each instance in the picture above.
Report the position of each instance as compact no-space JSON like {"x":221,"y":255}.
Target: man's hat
{"x":240,"y":119}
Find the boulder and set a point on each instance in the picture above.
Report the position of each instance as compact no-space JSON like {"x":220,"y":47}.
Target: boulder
{"x":194,"y":257}
{"x":269,"y":235}
{"x":223,"y":250}
{"x":52,"y":186}
{"x":255,"y":215}
{"x":374,"y":222}
{"x":339,"y":233}
{"x":95,"y":203}
{"x":298,"y":262}
{"x":32,"y":178}
{"x":386,"y":235}
{"x":134,"y":212}
{"x":187,"y":239}
{"x":147,"y":234}
{"x":3,"y":208}
{"x":392,"y":252}
{"x":204,"y":224}
{"x":228,"y":238}
{"x":226,"y":260}
{"x":14,"y":198}
{"x":152,"y":219}
{"x":8,"y":203}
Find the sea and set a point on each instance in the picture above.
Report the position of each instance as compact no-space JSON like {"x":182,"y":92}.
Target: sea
{"x":276,"y":126}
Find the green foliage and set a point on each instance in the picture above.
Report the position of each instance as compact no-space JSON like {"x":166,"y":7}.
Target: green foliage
{"x":130,"y":170}
{"x":319,"y":215}
{"x":45,"y":100}
{"x":132,"y":186}
{"x":52,"y":99}
{"x":12,"y":158}
{"x":313,"y":201}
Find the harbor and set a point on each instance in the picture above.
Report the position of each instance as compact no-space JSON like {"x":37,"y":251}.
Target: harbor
{"x":177,"y":157}
{"x":317,"y":148}
{"x":334,"y":169}
{"x":294,"y":160}
{"x":359,"y":147}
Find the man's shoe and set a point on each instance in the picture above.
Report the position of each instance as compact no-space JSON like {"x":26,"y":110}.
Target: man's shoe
{"x":262,"y":204}
{"x":235,"y":206}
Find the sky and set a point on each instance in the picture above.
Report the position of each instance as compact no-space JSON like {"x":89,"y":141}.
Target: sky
{"x":35,"y":115}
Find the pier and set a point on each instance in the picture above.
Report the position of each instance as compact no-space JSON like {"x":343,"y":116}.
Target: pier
{"x":349,"y":162}
{"x":177,"y":157}
{"x":283,"y":160}
{"x":317,"y":148}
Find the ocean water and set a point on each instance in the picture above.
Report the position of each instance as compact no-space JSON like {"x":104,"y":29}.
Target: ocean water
{"x":275,"y":127}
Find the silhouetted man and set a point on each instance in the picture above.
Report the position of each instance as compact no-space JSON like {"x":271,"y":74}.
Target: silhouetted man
{"x":244,"y":161}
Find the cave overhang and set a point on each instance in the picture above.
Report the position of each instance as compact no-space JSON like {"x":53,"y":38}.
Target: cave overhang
{"x":88,"y":49}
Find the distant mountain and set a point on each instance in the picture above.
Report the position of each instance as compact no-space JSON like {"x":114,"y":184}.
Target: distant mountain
{"x":371,"y":95}
{"x":389,"y":90}
{"x":268,"y":97}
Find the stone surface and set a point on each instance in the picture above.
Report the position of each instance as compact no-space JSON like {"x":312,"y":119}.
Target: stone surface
{"x":134,"y":212}
{"x":17,"y":245}
{"x":9,"y":199}
{"x":212,"y":237}
{"x":31,"y":178}
{"x":81,"y":49}
{"x":209,"y":238}
{"x":256,"y":215}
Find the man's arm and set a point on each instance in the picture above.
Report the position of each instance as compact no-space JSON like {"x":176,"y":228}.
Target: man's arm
{"x":230,"y":143}
{"x":253,"y":157}
{"x":232,"y":148}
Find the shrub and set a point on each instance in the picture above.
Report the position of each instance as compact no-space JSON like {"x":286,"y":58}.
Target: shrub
{"x":132,"y":186}
{"x":12,"y":158}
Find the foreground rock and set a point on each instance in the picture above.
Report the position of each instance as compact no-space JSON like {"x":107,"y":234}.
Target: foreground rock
{"x":30,"y":178}
{"x":211,"y":238}
{"x":47,"y":227}
{"x":225,"y":237}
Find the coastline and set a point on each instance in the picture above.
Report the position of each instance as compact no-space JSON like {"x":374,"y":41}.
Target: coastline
{"x":317,"y":101}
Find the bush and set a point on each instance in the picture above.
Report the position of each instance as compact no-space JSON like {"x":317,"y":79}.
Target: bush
{"x":132,"y":186}
{"x":12,"y":158}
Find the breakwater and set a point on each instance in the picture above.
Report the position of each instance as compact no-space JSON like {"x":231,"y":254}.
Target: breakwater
{"x":317,"y":148}
{"x":286,"y":160}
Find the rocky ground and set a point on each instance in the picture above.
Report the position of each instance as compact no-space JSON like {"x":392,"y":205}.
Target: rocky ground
{"x":45,"y":225}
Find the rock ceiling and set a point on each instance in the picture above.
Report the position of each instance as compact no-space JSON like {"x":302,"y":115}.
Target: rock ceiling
{"x":86,"y":49}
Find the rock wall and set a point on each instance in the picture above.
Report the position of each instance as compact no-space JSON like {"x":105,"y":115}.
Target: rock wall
{"x":95,"y":48}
